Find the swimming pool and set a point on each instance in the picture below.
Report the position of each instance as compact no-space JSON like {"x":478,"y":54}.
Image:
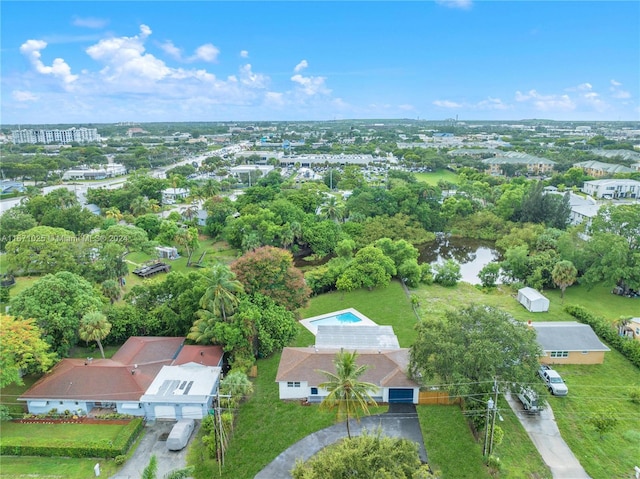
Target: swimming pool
{"x":336,"y":320}
{"x":344,"y":317}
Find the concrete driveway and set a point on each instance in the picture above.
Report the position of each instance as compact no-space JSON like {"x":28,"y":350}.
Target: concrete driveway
{"x":154,"y":442}
{"x":400,"y":421}
{"x":545,"y":435}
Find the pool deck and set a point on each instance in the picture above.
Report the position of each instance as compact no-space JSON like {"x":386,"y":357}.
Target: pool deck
{"x":364,"y":321}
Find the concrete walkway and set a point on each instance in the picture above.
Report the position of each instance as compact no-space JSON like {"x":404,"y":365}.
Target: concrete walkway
{"x":400,"y":421}
{"x":545,"y":435}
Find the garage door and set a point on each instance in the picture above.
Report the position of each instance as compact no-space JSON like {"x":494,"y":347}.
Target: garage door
{"x":401,"y":395}
{"x":165,"y":412}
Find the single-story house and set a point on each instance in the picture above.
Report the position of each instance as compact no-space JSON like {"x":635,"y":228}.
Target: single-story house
{"x":299,"y":374}
{"x":377,"y":346}
{"x":533,"y":300}
{"x":569,"y":342}
{"x":152,"y":377}
{"x":632,"y":329}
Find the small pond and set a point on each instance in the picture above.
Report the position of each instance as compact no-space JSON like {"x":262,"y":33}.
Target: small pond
{"x":473,"y":255}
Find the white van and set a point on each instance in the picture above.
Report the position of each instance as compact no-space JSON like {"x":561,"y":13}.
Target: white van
{"x":180,"y":434}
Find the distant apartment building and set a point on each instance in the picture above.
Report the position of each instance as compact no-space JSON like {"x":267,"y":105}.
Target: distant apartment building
{"x":598,"y":169}
{"x":77,"y":135}
{"x":613,"y":188}
{"x":533,"y":164}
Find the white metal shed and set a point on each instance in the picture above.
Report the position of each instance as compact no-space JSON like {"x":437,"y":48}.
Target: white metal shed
{"x":533,"y":300}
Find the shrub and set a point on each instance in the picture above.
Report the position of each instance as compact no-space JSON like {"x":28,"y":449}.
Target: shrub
{"x":629,"y":348}
{"x":634,"y":395}
{"x":120,"y":459}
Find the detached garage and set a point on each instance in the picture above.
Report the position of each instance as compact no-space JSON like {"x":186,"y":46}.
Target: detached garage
{"x":533,"y":300}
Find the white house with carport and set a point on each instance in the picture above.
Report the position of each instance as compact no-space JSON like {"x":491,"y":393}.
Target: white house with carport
{"x":533,"y":300}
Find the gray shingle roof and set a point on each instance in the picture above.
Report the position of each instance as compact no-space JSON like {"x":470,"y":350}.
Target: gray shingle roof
{"x":567,"y":336}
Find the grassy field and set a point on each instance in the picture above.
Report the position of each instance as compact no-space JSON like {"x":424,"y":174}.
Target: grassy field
{"x":13,"y":467}
{"x":433,"y":178}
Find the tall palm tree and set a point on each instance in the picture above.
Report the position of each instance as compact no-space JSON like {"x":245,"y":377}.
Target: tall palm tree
{"x":114,"y":213}
{"x":140,"y":206}
{"x":221,"y":295}
{"x":347,"y":394}
{"x":94,"y":327}
{"x":332,"y":210}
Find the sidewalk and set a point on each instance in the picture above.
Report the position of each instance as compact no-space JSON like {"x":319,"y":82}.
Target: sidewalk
{"x":545,"y":435}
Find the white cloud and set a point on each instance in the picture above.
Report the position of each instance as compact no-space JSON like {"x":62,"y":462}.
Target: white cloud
{"x":124,"y":59}
{"x":461,"y":4}
{"x":546,"y":102}
{"x":90,"y":22}
{"x":617,"y":92}
{"x":447,"y":104}
{"x":406,"y":107}
{"x":22,"y":95}
{"x":301,"y":66}
{"x":207,"y":53}
{"x":249,"y":78}
{"x":170,"y":49}
{"x":311,"y":85}
{"x":244,"y":54}
{"x":492,"y":104}
{"x":585,"y":87}
{"x":59,"y":68}
{"x":274,"y":99}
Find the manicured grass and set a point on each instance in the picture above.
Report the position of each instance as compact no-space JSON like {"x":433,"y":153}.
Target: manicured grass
{"x":9,"y":396}
{"x":450,"y":446}
{"x":592,"y":388}
{"x":386,"y":306}
{"x":14,"y":467}
{"x":43,"y":434}
{"x":434,"y":177}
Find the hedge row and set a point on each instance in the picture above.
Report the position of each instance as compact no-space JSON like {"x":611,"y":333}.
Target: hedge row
{"x":21,"y":446}
{"x":629,"y":348}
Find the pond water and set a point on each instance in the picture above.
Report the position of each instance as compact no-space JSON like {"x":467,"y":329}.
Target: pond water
{"x":473,"y":255}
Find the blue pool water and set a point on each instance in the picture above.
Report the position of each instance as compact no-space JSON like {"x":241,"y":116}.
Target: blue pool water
{"x":338,"y":319}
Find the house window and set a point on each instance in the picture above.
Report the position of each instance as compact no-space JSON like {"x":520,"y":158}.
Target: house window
{"x":585,"y":352}
{"x":293,"y":384}
{"x":559,"y":354}
{"x":314,"y":391}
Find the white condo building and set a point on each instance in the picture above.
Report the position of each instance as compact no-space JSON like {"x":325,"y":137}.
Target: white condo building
{"x":78,"y":135}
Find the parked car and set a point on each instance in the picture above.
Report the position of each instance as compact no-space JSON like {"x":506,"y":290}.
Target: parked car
{"x":529,"y":399}
{"x":553,"y":380}
{"x":180,"y":434}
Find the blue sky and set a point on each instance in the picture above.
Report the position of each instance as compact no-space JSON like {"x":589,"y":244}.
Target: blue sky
{"x":103,"y":62}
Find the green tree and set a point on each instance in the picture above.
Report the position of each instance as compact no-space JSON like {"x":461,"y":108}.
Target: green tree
{"x":223,"y":290}
{"x":348,"y":395}
{"x":564,"y":274}
{"x":23,"y":350}
{"x":367,"y":456}
{"x":94,"y":327}
{"x":13,"y":222}
{"x":151,"y":471}
{"x":237,"y":385}
{"x":447,"y":273}
{"x":270,"y":271}
{"x":57,"y":302}
{"x":604,"y":420}
{"x":332,"y":210}
{"x":369,"y":268}
{"x":469,"y":348}
{"x":489,"y":274}
{"x":43,"y":250}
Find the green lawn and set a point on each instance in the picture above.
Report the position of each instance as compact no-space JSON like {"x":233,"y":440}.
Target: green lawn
{"x":592,"y":388}
{"x":41,"y":434}
{"x":13,"y":467}
{"x":433,"y":178}
{"x":9,"y":396}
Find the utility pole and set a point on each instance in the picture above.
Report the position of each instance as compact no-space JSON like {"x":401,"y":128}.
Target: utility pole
{"x":493,"y":418}
{"x":486,"y":428}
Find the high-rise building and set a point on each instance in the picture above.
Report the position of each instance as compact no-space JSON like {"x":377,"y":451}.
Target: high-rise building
{"x":78,"y":135}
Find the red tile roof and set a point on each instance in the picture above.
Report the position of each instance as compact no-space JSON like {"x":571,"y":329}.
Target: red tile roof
{"x":124,"y":377}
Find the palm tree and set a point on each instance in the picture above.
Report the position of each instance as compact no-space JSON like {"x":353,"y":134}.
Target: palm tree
{"x":221,"y":295}
{"x":140,"y":206}
{"x":347,"y":393}
{"x":332,"y":210}
{"x":94,"y":327}
{"x":114,"y":213}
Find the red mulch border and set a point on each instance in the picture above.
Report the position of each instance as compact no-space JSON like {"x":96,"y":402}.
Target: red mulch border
{"x":80,"y":420}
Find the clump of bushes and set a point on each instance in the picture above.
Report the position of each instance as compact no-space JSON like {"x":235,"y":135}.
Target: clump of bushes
{"x":629,"y":348}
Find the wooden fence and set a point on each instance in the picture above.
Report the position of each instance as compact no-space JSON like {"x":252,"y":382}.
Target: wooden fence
{"x":437,"y":397}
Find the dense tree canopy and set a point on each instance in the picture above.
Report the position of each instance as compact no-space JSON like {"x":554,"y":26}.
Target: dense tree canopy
{"x":57,"y":302}
{"x":467,"y":349}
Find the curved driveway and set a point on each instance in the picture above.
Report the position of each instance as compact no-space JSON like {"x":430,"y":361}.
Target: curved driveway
{"x":400,"y":421}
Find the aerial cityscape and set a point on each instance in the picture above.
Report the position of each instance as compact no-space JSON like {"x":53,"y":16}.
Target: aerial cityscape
{"x":319,"y":240}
